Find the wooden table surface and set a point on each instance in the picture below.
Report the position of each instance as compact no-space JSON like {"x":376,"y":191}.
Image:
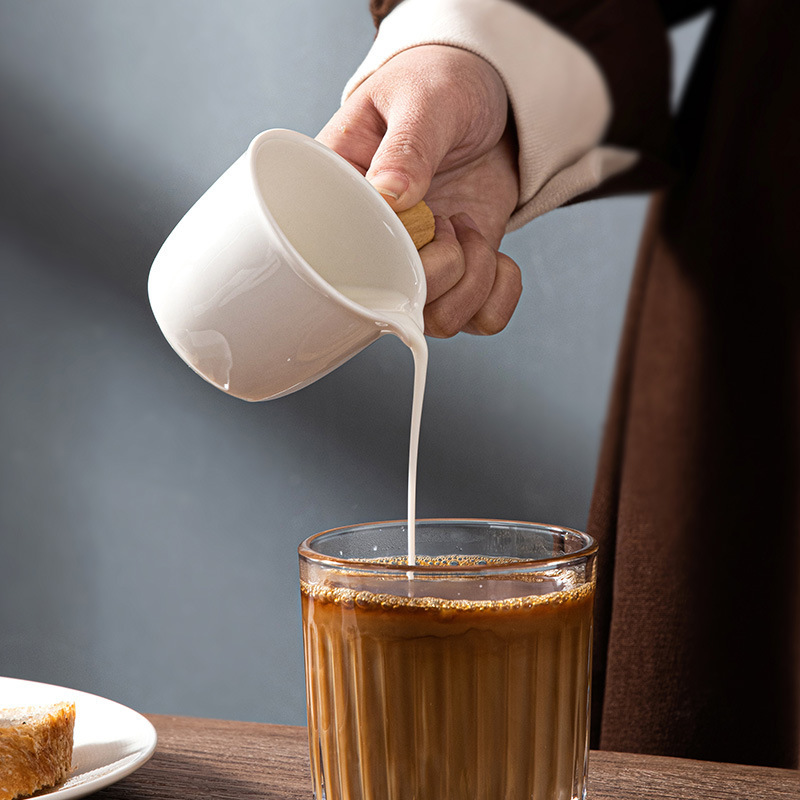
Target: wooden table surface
{"x":220,"y":760}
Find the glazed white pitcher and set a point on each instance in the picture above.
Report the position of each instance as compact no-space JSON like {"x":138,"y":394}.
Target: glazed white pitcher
{"x":290,"y":264}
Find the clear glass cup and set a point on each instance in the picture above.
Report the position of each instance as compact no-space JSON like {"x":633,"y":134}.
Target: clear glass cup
{"x":463,"y":677}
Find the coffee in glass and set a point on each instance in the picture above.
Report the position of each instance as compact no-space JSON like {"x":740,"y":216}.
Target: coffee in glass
{"x":464,"y":677}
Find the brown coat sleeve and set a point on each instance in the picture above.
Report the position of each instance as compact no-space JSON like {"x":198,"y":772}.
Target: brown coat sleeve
{"x":628,"y":40}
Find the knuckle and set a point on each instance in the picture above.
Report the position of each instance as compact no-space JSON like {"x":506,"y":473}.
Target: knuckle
{"x":405,"y":147}
{"x":513,"y":279}
{"x":482,"y":256}
{"x":441,"y":323}
{"x":444,"y":266}
{"x":452,"y":259}
{"x":495,"y":315}
{"x":488,"y":323}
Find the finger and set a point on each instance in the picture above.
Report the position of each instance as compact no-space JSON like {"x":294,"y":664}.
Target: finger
{"x":354,"y":132}
{"x":399,"y":155}
{"x":496,"y":312}
{"x":408,"y":156}
{"x":443,"y":260}
{"x":448,"y":314}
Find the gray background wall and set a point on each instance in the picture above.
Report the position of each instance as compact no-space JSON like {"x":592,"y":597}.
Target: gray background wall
{"x":148,"y":523}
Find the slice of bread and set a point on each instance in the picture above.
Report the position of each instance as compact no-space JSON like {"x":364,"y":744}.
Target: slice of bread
{"x":35,"y":748}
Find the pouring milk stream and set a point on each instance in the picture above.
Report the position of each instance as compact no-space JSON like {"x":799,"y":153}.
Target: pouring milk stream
{"x":408,"y":331}
{"x":290,"y":264}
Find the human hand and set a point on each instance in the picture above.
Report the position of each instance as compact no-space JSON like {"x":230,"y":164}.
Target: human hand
{"x":433,"y":122}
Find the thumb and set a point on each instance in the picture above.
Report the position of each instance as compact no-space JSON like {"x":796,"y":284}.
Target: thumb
{"x":407,"y":159}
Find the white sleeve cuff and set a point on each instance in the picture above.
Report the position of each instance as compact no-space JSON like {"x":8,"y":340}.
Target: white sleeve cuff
{"x":559,"y":97}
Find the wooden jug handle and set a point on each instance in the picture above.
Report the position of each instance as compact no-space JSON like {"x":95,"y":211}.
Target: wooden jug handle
{"x":418,"y":221}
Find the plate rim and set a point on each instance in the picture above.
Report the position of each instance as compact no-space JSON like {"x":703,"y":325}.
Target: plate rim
{"x":142,"y":756}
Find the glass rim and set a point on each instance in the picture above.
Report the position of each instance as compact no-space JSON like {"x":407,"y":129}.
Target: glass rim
{"x":590,"y":546}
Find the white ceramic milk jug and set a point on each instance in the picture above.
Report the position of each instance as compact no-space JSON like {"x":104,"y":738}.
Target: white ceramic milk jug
{"x":290,"y":264}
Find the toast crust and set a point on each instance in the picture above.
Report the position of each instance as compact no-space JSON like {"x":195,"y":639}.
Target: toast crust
{"x":35,"y":748}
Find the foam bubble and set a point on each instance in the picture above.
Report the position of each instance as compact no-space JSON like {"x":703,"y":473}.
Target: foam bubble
{"x":454,"y":560}
{"x":546,"y":587}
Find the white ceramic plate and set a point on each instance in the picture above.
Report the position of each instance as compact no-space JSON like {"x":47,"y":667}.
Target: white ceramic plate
{"x":111,"y":740}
